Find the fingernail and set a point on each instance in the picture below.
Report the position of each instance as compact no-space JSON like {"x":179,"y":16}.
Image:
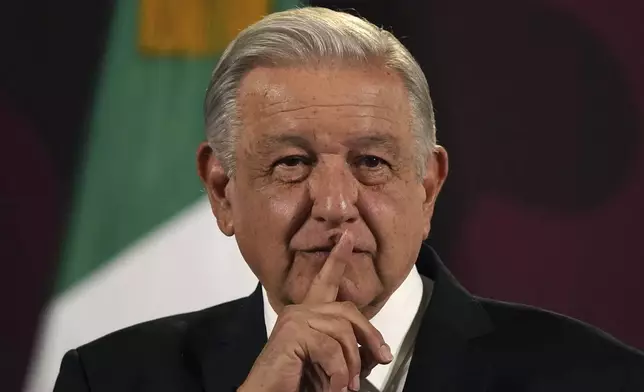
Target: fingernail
{"x":385,"y":352}
{"x":344,"y":389}
{"x":355,"y":383}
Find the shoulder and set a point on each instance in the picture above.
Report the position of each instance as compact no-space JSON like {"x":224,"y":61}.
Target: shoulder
{"x":529,"y":337}
{"x":162,"y":354}
{"x":157,"y":344}
{"x":549,"y":330}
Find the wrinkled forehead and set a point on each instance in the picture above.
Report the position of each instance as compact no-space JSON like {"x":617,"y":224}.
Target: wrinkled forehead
{"x":267,"y":94}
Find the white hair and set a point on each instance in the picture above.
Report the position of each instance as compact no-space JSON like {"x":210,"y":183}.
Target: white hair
{"x":304,"y":36}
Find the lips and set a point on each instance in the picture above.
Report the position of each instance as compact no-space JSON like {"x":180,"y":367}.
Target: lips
{"x":308,"y":242}
{"x":319,"y":256}
{"x":322,"y":253}
{"x":327,"y":250}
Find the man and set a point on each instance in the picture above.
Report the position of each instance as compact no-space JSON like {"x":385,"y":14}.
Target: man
{"x":322,"y":161}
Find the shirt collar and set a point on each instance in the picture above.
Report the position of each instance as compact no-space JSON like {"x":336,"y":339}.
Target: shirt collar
{"x":393,"y":320}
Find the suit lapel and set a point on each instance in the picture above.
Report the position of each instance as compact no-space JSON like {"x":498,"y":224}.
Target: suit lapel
{"x":442,"y":360}
{"x":225,"y":350}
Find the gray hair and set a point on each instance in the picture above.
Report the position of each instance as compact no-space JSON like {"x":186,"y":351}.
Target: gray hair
{"x":303,"y":36}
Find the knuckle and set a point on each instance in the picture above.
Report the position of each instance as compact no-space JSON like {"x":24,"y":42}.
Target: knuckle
{"x":338,"y":368}
{"x":346,"y":325}
{"x":292,"y":313}
{"x":289,"y":310}
{"x":331,"y":347}
{"x":343,"y":377}
{"x":346,"y":329}
{"x":348,"y":306}
{"x":288,"y":323}
{"x":378,"y":336}
{"x":354,"y":368}
{"x":342,"y":373}
{"x":341,"y":365}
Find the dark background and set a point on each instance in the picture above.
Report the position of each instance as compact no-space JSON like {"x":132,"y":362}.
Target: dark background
{"x":539,"y":103}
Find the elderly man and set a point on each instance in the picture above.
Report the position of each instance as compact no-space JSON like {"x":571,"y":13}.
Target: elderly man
{"x":322,"y":160}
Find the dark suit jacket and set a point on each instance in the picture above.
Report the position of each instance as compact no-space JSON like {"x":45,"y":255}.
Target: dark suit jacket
{"x":465,"y":344}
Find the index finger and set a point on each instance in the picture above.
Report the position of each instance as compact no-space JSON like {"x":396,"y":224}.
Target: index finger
{"x":326,"y":283}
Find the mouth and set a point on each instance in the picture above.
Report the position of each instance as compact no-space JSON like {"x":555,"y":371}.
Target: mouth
{"x":322,"y":253}
{"x":330,"y":248}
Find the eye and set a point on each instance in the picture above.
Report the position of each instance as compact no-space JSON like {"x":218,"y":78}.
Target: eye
{"x":292,"y":161}
{"x":371,"y":161}
{"x":372,"y":170}
{"x":292,"y":168}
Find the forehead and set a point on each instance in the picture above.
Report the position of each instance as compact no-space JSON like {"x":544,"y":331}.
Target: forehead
{"x":342,"y":98}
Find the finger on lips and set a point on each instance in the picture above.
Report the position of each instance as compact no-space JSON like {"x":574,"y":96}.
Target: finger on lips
{"x":326,"y":283}
{"x":343,"y":343}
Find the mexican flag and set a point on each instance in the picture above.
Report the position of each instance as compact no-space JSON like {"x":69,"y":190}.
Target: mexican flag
{"x":141,"y":240}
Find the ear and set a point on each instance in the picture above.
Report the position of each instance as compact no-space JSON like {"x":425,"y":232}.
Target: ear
{"x":214,"y":178}
{"x":435,"y":175}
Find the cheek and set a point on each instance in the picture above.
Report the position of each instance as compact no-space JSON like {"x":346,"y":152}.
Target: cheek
{"x":264,"y":213}
{"x":396,"y":219}
{"x":393,"y":213}
{"x":263,"y":223}
{"x":283,"y":208}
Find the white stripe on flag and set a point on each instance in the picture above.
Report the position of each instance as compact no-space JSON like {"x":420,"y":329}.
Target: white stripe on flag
{"x":186,"y":264}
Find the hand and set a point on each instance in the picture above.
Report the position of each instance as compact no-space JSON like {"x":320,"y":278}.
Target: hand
{"x":314,"y":346}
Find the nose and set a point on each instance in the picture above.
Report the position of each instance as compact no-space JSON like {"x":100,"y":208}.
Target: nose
{"x":334,"y":193}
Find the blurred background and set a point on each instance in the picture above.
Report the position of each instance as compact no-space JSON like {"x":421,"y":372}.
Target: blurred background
{"x":540,"y":104}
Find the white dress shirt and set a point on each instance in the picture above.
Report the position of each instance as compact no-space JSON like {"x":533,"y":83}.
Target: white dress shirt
{"x":393,"y":322}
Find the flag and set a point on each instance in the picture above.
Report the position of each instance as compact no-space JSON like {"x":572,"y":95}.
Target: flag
{"x":141,"y":240}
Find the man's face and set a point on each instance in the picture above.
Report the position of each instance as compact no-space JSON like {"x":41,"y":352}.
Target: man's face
{"x":322,"y":151}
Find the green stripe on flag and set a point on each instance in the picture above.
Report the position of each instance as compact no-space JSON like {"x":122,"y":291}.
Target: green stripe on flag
{"x":139,"y":163}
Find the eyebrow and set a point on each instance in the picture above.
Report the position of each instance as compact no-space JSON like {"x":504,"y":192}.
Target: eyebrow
{"x":271,"y":142}
{"x":386,"y":142}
